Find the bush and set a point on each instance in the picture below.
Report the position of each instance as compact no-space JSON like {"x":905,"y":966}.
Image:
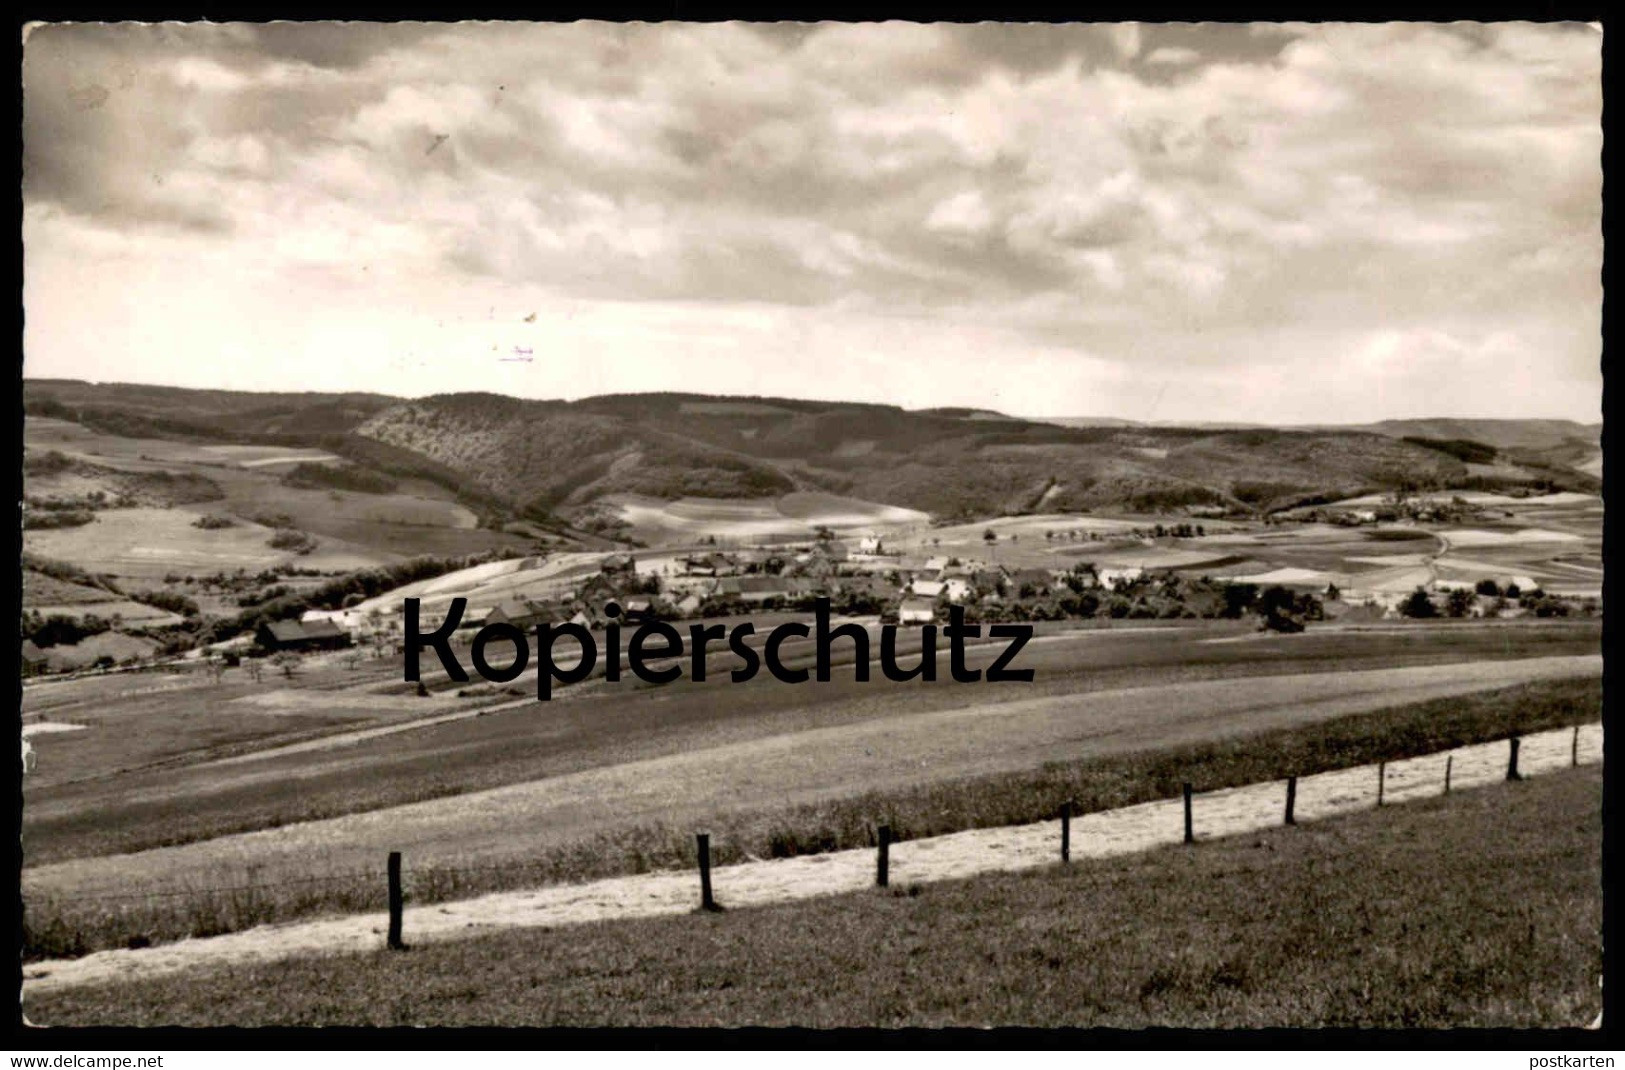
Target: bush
{"x":1239,"y":598}
{"x":57,"y":518}
{"x":214,"y":523}
{"x":174,"y":603}
{"x":289,"y":539}
{"x":1419,"y":605}
{"x":1460,"y":601}
{"x":48,"y":463}
{"x":63,"y":630}
{"x":321,"y":476}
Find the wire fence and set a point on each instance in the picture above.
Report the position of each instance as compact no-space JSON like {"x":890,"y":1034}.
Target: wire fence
{"x":393,"y":884}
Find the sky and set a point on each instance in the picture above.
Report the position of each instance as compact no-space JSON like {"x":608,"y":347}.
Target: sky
{"x":1260,"y":223}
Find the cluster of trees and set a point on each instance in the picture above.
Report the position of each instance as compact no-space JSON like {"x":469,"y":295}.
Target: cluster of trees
{"x":1148,"y":597}
{"x":169,"y":600}
{"x":852,"y":603}
{"x":1460,"y":602}
{"x":292,"y":539}
{"x":96,"y":499}
{"x":45,"y":520}
{"x":51,"y":462}
{"x":241,"y":580}
{"x":59,"y":629}
{"x":334,"y":594}
{"x":308,"y":476}
{"x":69,"y":573}
{"x":1465,"y":450}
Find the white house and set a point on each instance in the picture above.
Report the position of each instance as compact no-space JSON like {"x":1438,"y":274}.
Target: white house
{"x":1109,"y":576}
{"x":870,"y":544}
{"x":927,"y":588}
{"x":916,"y":611}
{"x":344,"y":618}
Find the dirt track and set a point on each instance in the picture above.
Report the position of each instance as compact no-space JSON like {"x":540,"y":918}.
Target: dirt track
{"x":1136,"y":828}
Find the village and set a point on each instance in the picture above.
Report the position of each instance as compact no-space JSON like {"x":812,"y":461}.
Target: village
{"x":864,"y":577}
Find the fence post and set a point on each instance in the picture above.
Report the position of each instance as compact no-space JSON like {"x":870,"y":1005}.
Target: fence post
{"x":1382,"y":780}
{"x":1066,"y":831}
{"x":1291,"y":799}
{"x":703,"y":841}
{"x":1574,"y":748}
{"x":396,"y":899}
{"x":1449,"y":760}
{"x":1190,"y":829}
{"x":1512,"y":760}
{"x":883,"y":861}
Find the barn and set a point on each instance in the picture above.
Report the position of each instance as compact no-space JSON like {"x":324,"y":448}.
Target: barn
{"x":299,"y":635}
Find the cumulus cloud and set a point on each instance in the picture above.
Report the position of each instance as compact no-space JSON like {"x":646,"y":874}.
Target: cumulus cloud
{"x":1264,"y":206}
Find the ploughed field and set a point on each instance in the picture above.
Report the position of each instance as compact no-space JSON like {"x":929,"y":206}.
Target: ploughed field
{"x":525,"y":777}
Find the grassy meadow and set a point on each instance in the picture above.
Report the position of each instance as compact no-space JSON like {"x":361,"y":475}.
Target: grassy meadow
{"x":66,"y":920}
{"x":139,"y":776}
{"x":1480,"y":909}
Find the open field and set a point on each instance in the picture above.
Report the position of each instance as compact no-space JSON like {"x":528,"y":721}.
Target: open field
{"x":793,"y":516}
{"x":92,"y":794}
{"x":817,"y":789}
{"x":1377,"y":919}
{"x":131,"y":614}
{"x":147,"y":544}
{"x":1106,"y":833}
{"x":417,"y":518}
{"x":788,"y":769}
{"x":41,"y":590}
{"x":136,"y":454}
{"x":1479,"y":497}
{"x":88,"y":651}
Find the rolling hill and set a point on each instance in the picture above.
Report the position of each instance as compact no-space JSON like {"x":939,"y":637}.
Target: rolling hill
{"x":556,"y":459}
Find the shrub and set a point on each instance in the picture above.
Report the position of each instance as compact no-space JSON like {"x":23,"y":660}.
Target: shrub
{"x":1419,"y":605}
{"x":289,"y":539}
{"x":62,"y":630}
{"x":320,"y":476}
{"x":57,"y":518}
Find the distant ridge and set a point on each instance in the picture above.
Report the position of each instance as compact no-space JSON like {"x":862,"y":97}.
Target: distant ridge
{"x":558,"y":459}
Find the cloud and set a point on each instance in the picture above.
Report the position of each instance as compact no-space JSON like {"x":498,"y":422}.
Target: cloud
{"x":1173,"y":55}
{"x":1126,"y":193}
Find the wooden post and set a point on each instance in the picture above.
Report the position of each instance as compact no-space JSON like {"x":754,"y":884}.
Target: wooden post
{"x":1066,"y":831}
{"x":1512,"y":760}
{"x":396,"y":899}
{"x":703,"y":840}
{"x":1449,"y":760}
{"x":1382,"y":780}
{"x":883,"y":861}
{"x":1574,"y":748}
{"x":1291,"y":798}
{"x":1190,"y":829}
